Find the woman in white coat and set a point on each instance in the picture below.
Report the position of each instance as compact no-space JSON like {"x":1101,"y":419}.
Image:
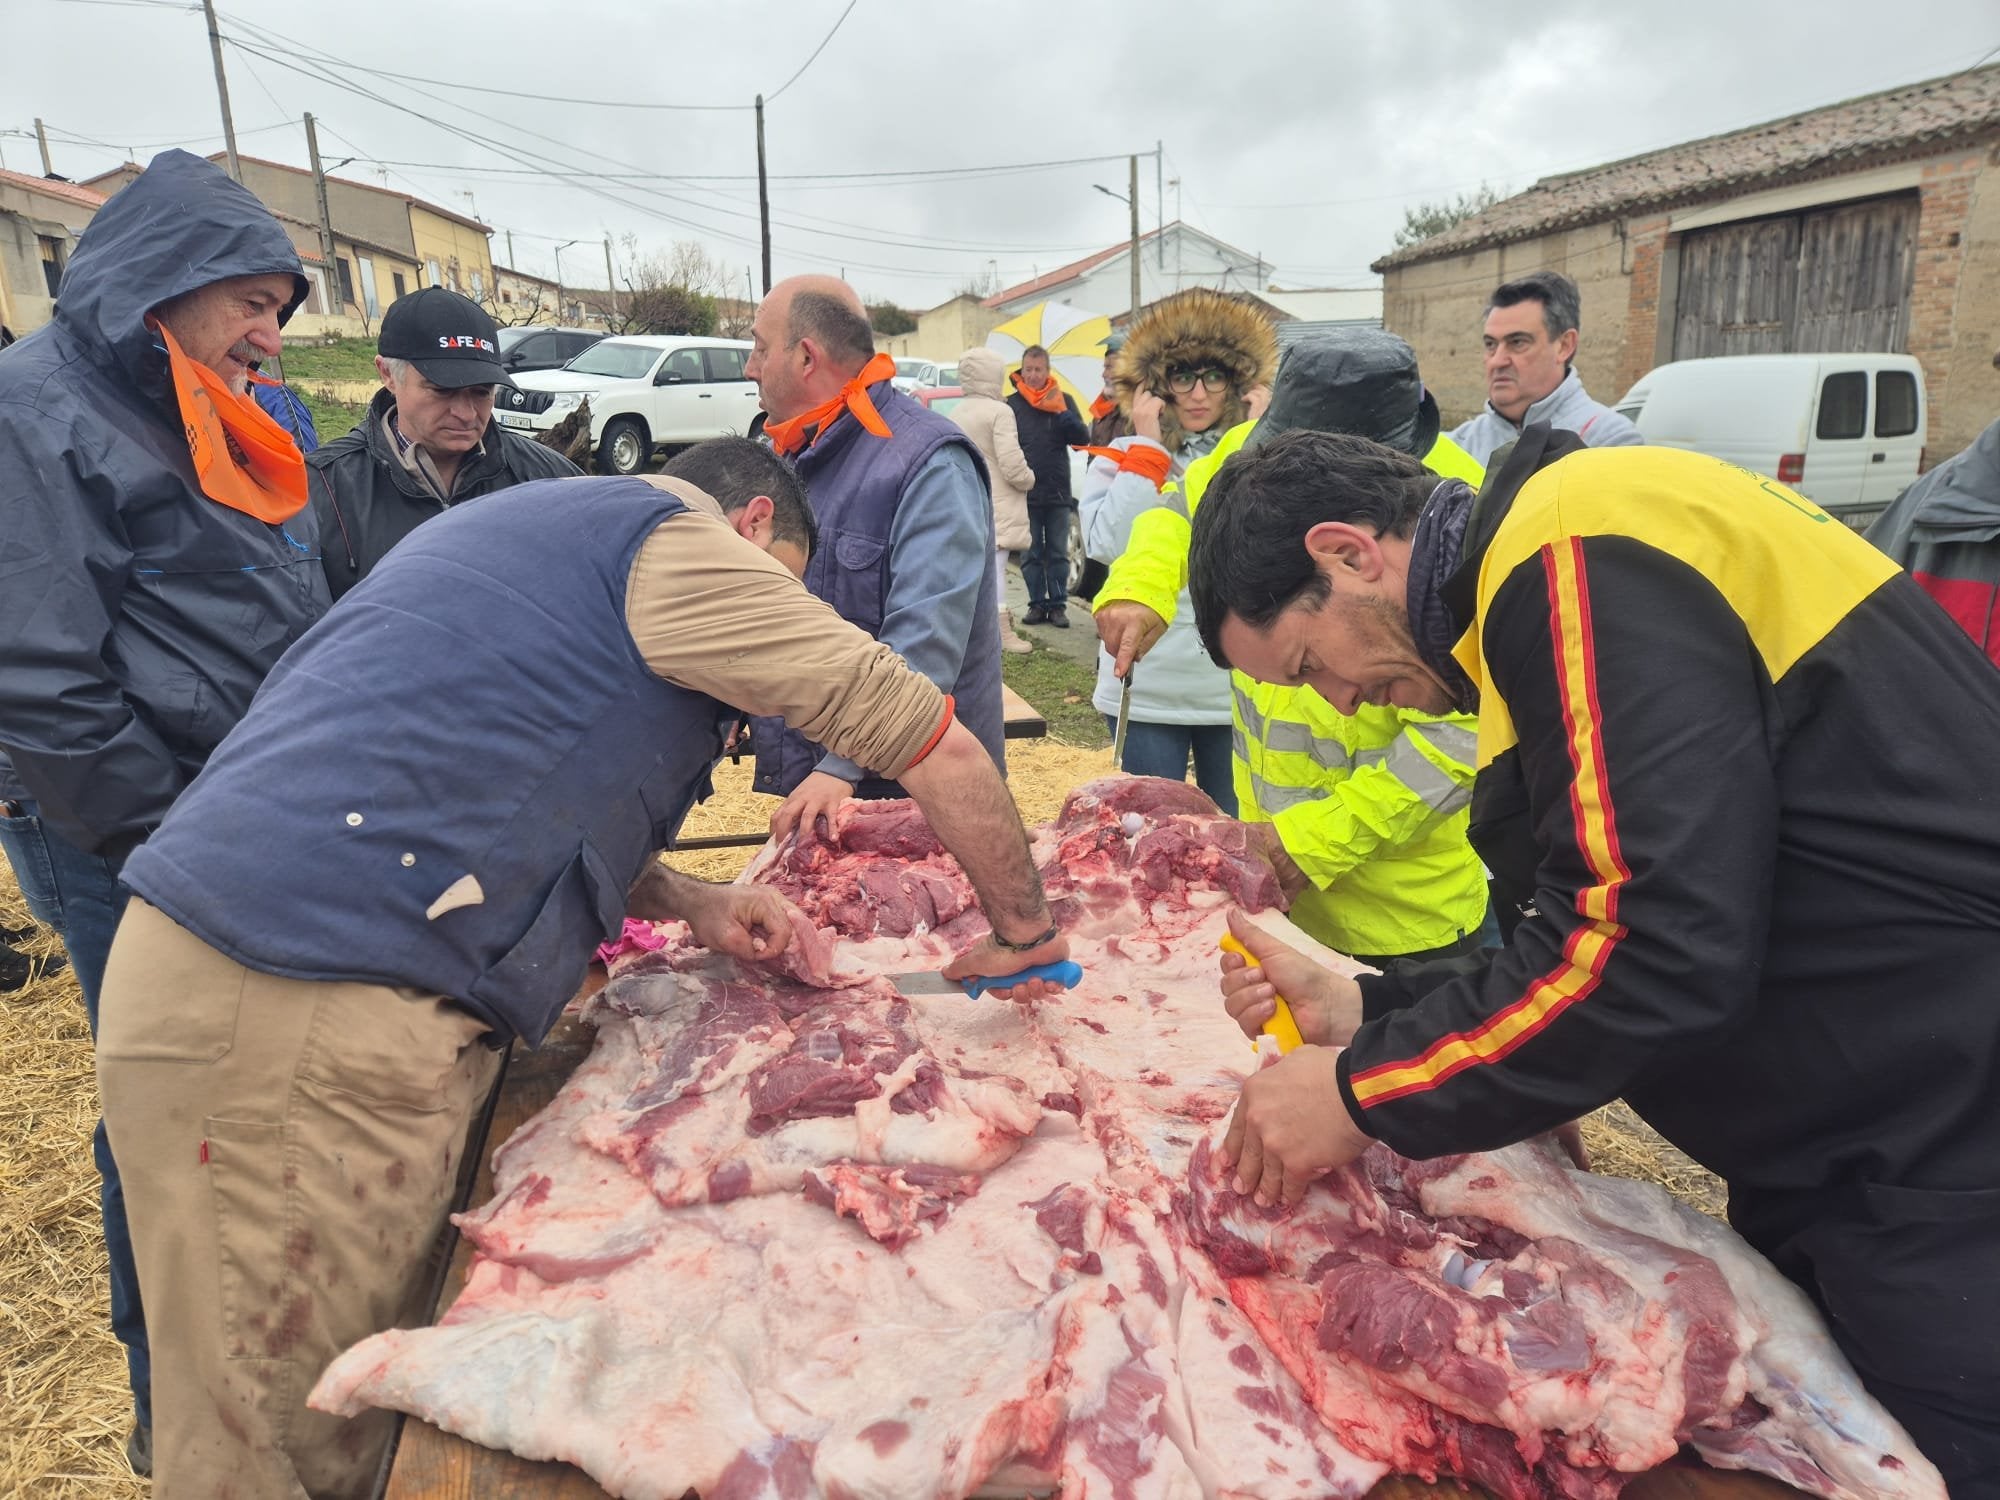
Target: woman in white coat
{"x":989,"y":421}
{"x":1182,"y":376}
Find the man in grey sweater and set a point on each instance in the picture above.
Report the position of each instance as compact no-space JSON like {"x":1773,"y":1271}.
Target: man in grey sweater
{"x":1531,"y":337}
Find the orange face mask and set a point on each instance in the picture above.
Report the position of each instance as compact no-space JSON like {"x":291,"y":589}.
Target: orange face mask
{"x":243,"y":458}
{"x":790,"y":436}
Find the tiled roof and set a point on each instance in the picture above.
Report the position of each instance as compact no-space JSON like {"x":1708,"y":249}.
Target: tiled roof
{"x":1829,"y":138}
{"x":74,"y":191}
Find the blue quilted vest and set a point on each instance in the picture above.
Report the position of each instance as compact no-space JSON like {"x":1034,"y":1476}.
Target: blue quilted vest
{"x":453,"y":779}
{"x":856,"y":483}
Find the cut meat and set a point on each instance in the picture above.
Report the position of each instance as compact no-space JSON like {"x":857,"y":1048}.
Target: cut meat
{"x":780,"y":1239}
{"x":1594,"y":1323}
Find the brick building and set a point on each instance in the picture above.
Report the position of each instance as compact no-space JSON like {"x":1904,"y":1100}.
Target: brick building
{"x":1873,"y":224}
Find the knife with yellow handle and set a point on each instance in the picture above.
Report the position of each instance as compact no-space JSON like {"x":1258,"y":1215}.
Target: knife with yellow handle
{"x":1281,"y":1027}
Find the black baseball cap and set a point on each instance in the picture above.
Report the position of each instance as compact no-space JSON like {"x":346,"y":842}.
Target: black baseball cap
{"x":451,"y":340}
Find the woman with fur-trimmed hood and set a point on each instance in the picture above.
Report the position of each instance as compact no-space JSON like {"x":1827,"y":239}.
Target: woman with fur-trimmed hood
{"x":1184,"y":375}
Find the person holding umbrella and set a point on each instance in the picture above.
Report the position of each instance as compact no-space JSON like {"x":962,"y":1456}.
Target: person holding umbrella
{"x":1050,"y":425}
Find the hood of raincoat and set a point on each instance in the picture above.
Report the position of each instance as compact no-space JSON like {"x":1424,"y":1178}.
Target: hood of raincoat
{"x":1361,"y":381}
{"x":982,"y":372}
{"x":182,"y":224}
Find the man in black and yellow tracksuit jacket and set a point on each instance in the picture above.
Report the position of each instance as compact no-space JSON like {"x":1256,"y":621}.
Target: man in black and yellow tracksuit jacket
{"x":1744,"y":773}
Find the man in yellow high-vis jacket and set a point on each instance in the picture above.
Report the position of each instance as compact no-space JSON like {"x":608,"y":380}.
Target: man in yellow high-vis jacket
{"x":1366,"y":811}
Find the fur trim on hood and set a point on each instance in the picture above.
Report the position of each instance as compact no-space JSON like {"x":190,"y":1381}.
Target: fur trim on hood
{"x":1194,"y":329}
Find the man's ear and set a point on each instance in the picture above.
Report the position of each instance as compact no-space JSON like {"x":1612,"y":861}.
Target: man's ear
{"x":753,"y":521}
{"x":1338,"y":547}
{"x":1566,"y":345}
{"x":382,"y":369}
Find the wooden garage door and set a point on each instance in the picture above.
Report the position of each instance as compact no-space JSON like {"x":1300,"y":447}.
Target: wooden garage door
{"x":1833,"y":280}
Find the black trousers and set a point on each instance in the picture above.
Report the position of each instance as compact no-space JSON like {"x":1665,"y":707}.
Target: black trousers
{"x":1908,"y":1280}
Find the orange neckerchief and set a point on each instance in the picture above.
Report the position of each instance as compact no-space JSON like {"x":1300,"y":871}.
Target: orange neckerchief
{"x":1049,"y":398}
{"x":1102,"y":407}
{"x":791,"y":434}
{"x":242,"y":457}
{"x":1142,"y":459}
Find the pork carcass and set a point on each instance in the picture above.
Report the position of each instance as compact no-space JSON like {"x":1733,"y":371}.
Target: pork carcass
{"x":794,"y":1234}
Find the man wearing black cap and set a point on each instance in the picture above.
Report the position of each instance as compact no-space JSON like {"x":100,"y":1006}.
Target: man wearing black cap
{"x":429,"y":439}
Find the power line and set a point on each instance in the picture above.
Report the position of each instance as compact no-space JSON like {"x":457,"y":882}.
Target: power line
{"x":771,"y":98}
{"x":313,"y":66}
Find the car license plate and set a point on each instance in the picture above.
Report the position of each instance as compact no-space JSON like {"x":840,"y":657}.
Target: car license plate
{"x":514,"y":419}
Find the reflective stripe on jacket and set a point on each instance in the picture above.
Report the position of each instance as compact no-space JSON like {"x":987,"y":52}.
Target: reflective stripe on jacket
{"x":1372,"y":806}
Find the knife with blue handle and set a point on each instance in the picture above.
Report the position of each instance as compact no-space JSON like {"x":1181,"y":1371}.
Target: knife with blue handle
{"x":1067,"y":973}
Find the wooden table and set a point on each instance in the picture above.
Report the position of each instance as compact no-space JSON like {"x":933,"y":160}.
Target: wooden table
{"x":1021,"y":720}
{"x":431,"y":1464}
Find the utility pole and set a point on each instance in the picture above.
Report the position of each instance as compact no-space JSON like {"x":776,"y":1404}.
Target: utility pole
{"x":1160,"y":196}
{"x":510,"y":246}
{"x":1132,"y":191}
{"x":42,"y":140}
{"x":222,"y":90}
{"x":610,"y":280}
{"x":335,"y":304}
{"x":763,"y":195}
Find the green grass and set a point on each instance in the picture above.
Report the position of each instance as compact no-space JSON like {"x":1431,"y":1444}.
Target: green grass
{"x":348,"y":359}
{"x":1060,"y":688}
{"x":331,"y":419}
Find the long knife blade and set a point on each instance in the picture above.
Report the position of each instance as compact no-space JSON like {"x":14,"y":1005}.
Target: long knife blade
{"x":1124,"y":718}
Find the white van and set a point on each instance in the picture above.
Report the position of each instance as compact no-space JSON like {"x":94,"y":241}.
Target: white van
{"x":1844,"y":430}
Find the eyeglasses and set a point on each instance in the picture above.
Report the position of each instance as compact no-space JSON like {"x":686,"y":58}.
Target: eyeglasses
{"x":1180,"y":382}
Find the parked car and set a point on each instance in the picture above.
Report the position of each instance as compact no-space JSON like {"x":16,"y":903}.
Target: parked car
{"x":913,"y":373}
{"x":536,"y":346}
{"x":1844,"y":430}
{"x":645,"y":392}
{"x":939,"y":398}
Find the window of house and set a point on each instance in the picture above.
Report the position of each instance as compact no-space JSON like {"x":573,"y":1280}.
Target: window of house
{"x":1843,"y":405}
{"x":52,"y":260}
{"x":437,"y":276}
{"x":507,"y":297}
{"x":1895,"y":403}
{"x":478,"y":286}
{"x":365,"y":269}
{"x":346,"y":280}
{"x":396,"y":279}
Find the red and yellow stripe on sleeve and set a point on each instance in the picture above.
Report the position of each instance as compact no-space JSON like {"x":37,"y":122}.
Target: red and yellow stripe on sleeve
{"x":1584,"y":955}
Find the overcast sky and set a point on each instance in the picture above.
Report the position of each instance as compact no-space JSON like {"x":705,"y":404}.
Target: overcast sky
{"x":1297,"y":130}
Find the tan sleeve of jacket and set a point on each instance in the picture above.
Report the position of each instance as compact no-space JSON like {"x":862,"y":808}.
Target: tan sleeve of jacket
{"x":714,"y":614}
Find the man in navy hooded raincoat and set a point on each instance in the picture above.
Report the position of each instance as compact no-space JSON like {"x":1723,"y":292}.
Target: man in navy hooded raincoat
{"x":139,"y":614}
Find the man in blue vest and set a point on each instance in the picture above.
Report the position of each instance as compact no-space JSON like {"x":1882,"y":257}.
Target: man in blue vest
{"x":436,"y":809}
{"x":902,"y":500}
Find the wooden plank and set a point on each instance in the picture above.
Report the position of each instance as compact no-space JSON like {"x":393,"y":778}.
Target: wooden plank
{"x":431,"y":1464}
{"x":1022,"y":720}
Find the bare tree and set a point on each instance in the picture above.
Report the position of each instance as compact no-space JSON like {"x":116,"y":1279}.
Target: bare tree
{"x":668,"y":291}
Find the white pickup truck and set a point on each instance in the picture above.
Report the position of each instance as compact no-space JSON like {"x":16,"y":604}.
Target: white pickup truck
{"x":645,"y":392}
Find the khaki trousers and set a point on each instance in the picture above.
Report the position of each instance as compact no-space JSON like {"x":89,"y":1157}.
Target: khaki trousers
{"x":289,"y":1151}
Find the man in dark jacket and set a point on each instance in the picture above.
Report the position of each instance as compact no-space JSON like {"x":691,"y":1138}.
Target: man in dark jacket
{"x":1743,"y":768}
{"x":429,"y":439}
{"x":150,"y":574}
{"x":1945,"y":529}
{"x":1050,"y":425}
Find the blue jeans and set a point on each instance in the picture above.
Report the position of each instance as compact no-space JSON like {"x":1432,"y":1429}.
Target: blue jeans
{"x":79,"y":896}
{"x":1164,"y":750}
{"x":1045,"y":565}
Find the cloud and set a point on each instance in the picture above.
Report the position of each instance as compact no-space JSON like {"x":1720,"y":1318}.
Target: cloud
{"x":1298,"y":131}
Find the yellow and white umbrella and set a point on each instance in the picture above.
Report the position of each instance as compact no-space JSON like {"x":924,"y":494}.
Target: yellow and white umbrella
{"x":1075,"y":341}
